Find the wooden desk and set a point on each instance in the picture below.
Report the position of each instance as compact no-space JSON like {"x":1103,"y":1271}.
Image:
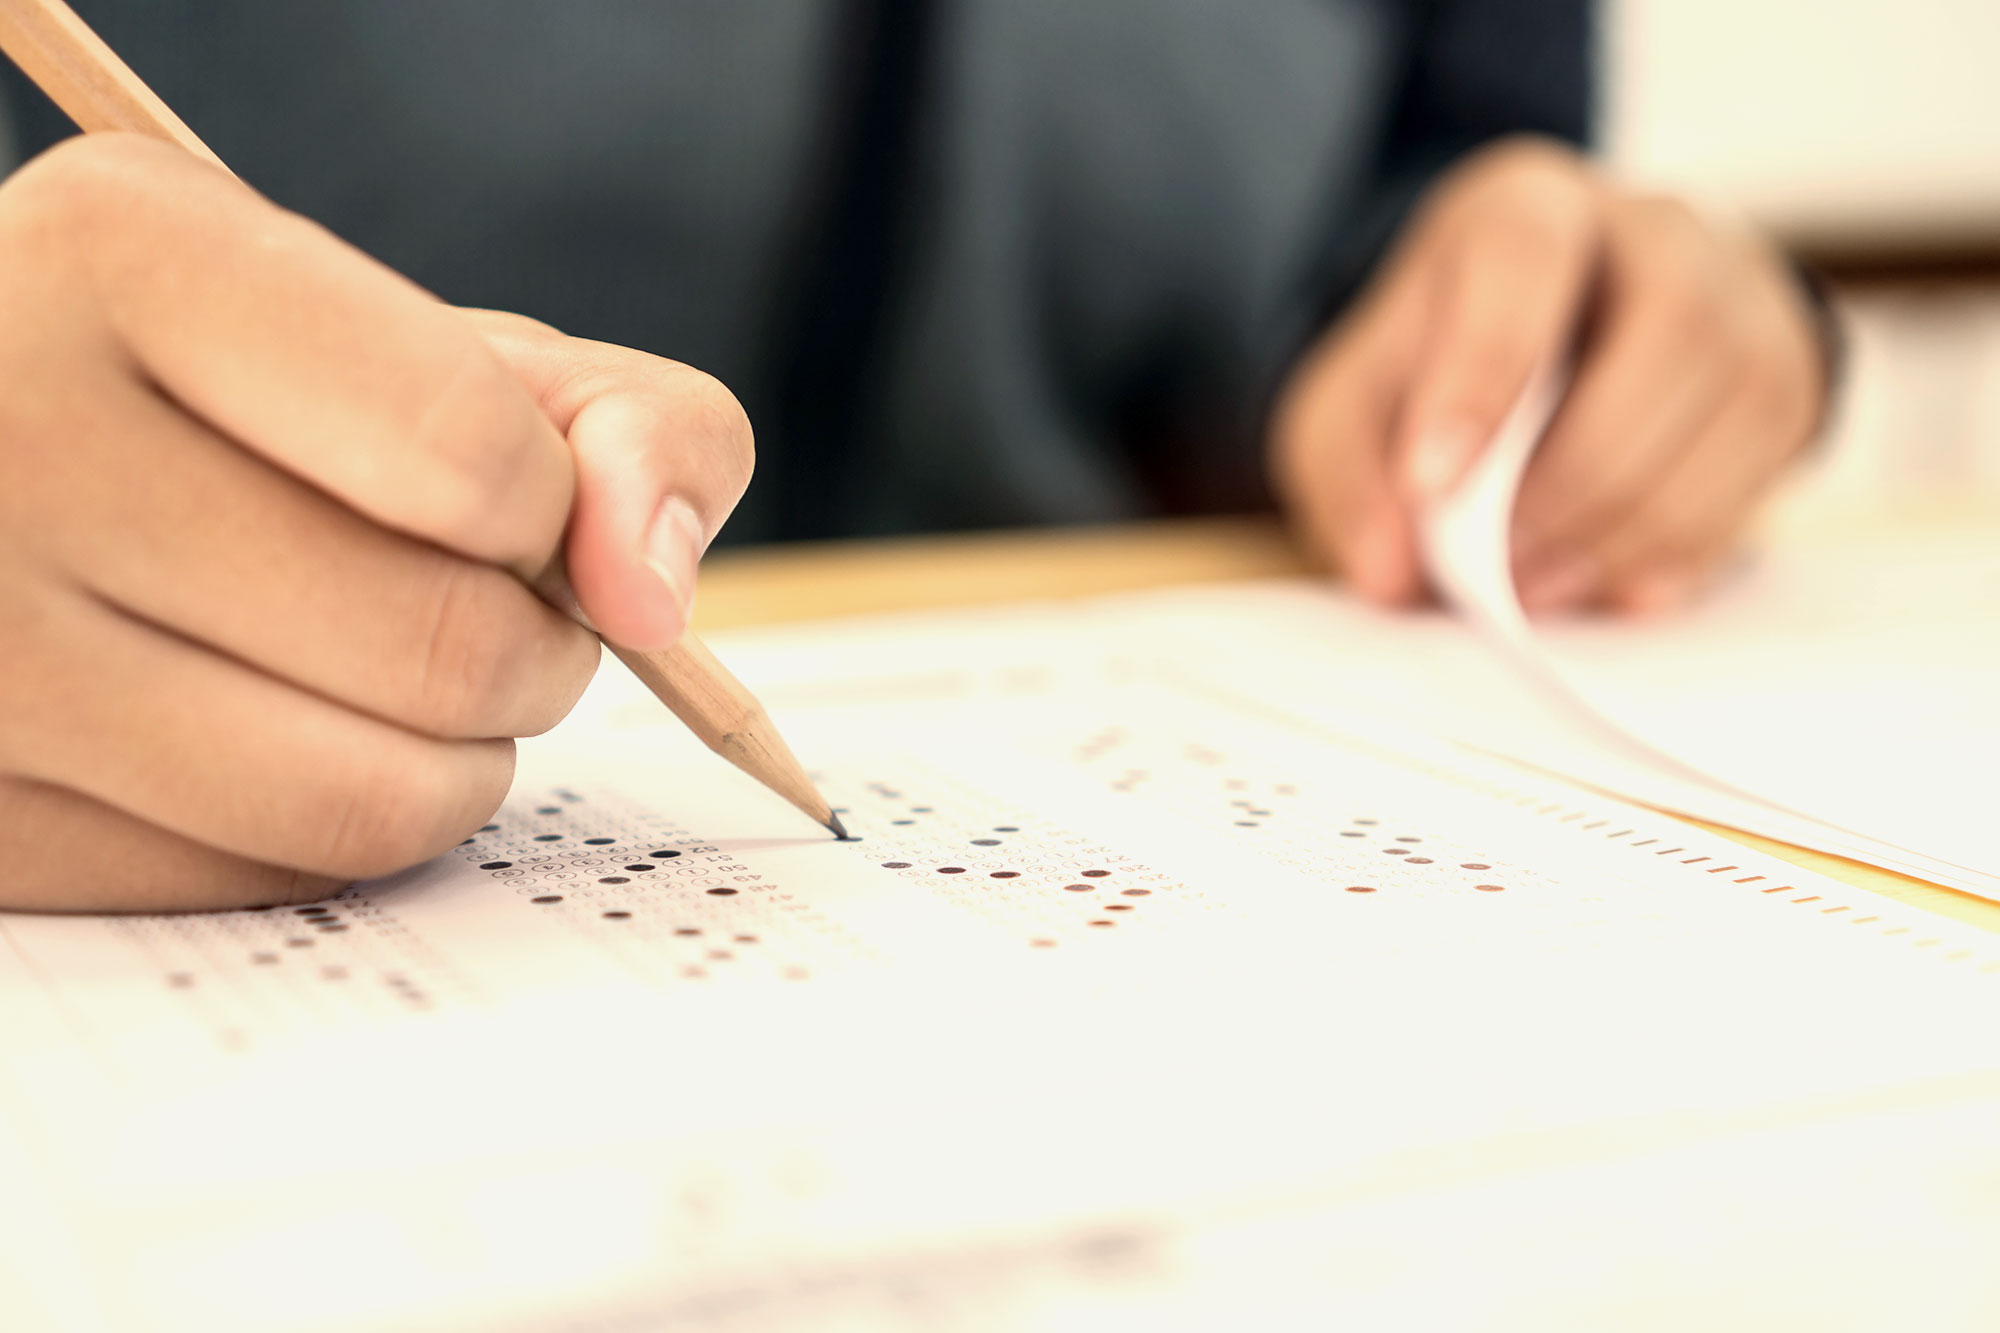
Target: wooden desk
{"x":808,"y":581}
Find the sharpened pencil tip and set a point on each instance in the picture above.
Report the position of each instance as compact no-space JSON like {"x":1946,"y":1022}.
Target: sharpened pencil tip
{"x":839,"y":829}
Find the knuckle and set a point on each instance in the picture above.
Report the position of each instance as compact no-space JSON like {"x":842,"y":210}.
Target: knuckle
{"x":719,"y":419}
{"x":1531,"y":163}
{"x":556,"y":687}
{"x":1675,"y":273}
{"x":1528,"y":234}
{"x":493,"y":661}
{"x":463,"y":675}
{"x":1682,"y":311}
{"x":477,"y":445}
{"x":1534,"y":190}
{"x":396,"y":809}
{"x":84,"y":180}
{"x":373,"y":827}
{"x":288,"y":887}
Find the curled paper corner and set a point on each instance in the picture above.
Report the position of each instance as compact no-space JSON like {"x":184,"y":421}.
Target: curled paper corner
{"x":1465,"y":538}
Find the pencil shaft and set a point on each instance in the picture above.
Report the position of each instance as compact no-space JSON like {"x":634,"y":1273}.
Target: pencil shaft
{"x":702,"y":693}
{"x":85,"y":77}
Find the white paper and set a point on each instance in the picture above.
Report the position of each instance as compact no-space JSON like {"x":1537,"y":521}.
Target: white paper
{"x":873,"y":1094}
{"x":1839,"y":696}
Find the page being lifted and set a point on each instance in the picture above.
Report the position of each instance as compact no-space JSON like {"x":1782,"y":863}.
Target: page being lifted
{"x":1843,"y":701}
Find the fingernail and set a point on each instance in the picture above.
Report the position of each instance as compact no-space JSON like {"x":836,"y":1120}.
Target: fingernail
{"x":673,"y":548}
{"x":1439,"y":458}
{"x":1658,"y":594}
{"x":1560,"y":585}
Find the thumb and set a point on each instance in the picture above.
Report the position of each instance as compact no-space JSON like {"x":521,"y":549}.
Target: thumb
{"x":663,"y":453}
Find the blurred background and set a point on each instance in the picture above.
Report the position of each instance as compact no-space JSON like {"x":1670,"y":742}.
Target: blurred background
{"x":1865,"y":133}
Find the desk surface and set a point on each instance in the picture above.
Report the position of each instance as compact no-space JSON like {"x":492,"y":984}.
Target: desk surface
{"x":809,"y":581}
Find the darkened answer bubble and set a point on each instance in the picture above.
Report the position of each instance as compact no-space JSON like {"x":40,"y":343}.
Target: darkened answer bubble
{"x":598,"y":842}
{"x":1475,"y":865}
{"x":1079,"y":888}
{"x":895,"y":865}
{"x":617,"y":916}
{"x":321,"y":911}
{"x":986,"y":842}
{"x":548,"y":810}
{"x":490,"y":828}
{"x":1006,"y":874}
{"x":495,"y":865}
{"x":641,"y":867}
{"x":900,"y":822}
{"x":615,"y":879}
{"x":547,"y":898}
{"x":664,"y":854}
{"x":1136,"y":893}
{"x":723,"y":893}
{"x":951,"y":870}
{"x":1095,"y":874}
{"x":1418,"y":861}
{"x":687,"y":930}
{"x":1005,"y":828}
{"x":331,"y":928}
{"x":1350,"y":833}
{"x":548,"y":837}
{"x":1359,"y":888}
{"x":1491,"y":888}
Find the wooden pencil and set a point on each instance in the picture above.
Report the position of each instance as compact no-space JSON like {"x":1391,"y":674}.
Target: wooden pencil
{"x":99,"y":91}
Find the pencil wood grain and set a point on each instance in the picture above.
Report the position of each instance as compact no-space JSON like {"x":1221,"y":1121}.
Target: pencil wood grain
{"x":702,"y":693}
{"x":84,"y":77}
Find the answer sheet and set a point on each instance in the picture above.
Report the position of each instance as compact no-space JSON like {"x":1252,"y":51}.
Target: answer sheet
{"x":1162,"y":987}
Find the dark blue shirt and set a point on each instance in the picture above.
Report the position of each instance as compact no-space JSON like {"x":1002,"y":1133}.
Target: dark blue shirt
{"x":967,"y":262}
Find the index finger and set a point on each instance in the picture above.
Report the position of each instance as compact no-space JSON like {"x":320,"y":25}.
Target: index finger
{"x":305,"y":351}
{"x":1513,"y":275}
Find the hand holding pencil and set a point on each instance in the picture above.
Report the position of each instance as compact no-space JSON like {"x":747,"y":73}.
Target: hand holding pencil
{"x":269,"y":521}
